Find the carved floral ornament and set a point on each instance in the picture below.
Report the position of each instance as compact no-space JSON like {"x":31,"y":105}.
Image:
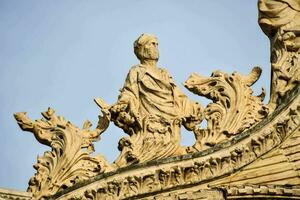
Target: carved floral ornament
{"x":200,"y":168}
{"x":151,"y":109}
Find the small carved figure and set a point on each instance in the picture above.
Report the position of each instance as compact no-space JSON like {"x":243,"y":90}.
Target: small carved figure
{"x":151,"y":108}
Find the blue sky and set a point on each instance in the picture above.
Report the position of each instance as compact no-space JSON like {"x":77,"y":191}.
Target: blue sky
{"x":65,"y":53}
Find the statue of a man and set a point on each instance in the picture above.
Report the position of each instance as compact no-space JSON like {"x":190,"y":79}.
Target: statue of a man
{"x":151,"y":109}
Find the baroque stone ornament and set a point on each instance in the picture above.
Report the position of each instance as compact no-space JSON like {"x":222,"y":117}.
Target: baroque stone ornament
{"x":234,"y":108}
{"x":69,"y":162}
{"x":151,"y":109}
{"x":237,"y":169}
{"x":280,"y":21}
{"x":247,"y":151}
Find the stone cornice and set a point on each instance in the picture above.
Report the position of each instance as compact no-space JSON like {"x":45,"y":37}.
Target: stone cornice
{"x":9,"y":194}
{"x":259,"y":191}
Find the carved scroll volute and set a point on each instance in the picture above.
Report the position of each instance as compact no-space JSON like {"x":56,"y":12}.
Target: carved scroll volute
{"x":234,"y":108}
{"x":69,"y":161}
{"x":280,"y":21}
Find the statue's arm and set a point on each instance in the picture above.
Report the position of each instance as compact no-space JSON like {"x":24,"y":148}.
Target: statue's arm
{"x":124,"y":113}
{"x":129,"y":92}
{"x":192,"y":112}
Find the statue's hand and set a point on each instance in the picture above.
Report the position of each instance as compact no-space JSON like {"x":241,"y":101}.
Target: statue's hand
{"x":191,"y":123}
{"x":118,"y":107}
{"x":125,"y":118}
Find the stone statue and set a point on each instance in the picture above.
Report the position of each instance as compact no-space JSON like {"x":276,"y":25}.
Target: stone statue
{"x":151,"y":109}
{"x":280,"y":21}
{"x":275,"y":14}
{"x":246,"y":150}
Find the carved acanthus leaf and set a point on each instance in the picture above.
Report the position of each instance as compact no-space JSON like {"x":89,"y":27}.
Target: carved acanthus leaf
{"x":233,"y":109}
{"x":69,"y":161}
{"x":207,"y":168}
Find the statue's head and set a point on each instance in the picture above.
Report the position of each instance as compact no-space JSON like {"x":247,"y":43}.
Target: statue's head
{"x":146,"y":47}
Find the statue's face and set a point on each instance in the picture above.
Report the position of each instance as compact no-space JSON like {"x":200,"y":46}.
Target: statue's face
{"x":150,"y":49}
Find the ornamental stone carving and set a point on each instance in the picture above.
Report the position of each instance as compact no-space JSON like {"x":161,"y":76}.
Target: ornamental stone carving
{"x":69,"y":161}
{"x":280,"y":21}
{"x":227,"y":166}
{"x":151,"y":109}
{"x":248,"y":150}
{"x":234,"y":108}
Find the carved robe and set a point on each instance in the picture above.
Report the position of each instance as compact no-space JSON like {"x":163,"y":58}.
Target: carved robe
{"x":158,"y":108}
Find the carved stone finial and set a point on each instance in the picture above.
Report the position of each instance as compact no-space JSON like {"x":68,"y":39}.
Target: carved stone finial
{"x":234,"y":108}
{"x":69,"y":161}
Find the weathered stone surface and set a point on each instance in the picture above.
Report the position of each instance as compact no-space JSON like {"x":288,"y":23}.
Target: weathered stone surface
{"x":213,"y":168}
{"x":247,"y":151}
{"x":262,"y":192}
{"x":151,"y":109}
{"x":8,"y":194}
{"x":234,"y":108}
{"x":280,"y":21}
{"x":69,"y":161}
